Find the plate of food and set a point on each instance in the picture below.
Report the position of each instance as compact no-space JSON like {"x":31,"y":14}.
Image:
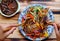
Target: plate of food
{"x":34,"y":22}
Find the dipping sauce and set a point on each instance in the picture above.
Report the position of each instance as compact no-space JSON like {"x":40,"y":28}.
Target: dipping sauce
{"x":8,"y":7}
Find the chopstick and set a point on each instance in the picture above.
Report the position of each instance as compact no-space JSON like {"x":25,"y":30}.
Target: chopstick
{"x":10,"y":27}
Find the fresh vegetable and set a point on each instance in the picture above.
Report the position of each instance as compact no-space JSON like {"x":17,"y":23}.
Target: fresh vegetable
{"x":34,"y":25}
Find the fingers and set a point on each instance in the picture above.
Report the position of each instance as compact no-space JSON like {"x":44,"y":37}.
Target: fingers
{"x":9,"y":32}
{"x":56,"y":29}
{"x":1,"y":28}
{"x":1,"y":33}
{"x":10,"y":27}
{"x":57,"y":32}
{"x":7,"y":29}
{"x":58,"y":25}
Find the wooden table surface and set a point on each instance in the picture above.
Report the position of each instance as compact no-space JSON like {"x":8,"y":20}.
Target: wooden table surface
{"x":16,"y":35}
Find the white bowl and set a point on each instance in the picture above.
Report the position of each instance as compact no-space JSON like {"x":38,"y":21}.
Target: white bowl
{"x":18,"y":9}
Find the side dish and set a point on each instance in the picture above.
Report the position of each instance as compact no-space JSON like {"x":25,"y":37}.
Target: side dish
{"x":8,"y":7}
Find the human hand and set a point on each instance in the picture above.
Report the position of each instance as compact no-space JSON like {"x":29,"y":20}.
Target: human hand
{"x":4,"y":32}
{"x":56,"y":26}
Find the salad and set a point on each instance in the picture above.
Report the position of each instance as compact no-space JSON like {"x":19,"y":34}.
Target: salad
{"x":34,"y":23}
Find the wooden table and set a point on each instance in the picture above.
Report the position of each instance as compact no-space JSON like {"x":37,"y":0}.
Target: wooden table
{"x":16,"y":35}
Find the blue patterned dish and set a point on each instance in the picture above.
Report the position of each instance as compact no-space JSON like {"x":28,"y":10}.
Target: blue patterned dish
{"x":49,"y":27}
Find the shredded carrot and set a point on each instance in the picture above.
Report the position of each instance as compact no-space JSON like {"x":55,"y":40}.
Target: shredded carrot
{"x":30,"y":15}
{"x":23,"y":20}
